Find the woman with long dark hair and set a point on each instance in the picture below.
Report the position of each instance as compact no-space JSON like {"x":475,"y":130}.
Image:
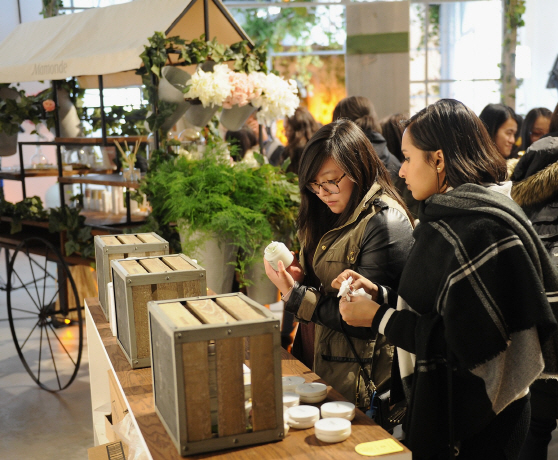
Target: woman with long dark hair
{"x":350,"y":217}
{"x":535,"y":126}
{"x":474,"y":318}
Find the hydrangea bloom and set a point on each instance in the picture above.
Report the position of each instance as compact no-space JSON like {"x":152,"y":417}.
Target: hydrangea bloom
{"x":211,"y":88}
{"x":278,"y":98}
{"x":244,"y":89}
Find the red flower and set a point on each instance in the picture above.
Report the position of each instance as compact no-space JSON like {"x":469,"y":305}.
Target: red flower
{"x":49,"y":105}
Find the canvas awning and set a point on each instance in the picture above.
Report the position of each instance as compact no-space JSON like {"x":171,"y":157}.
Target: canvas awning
{"x":107,"y":41}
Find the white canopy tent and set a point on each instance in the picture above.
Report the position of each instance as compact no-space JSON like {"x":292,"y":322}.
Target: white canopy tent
{"x":108,"y":41}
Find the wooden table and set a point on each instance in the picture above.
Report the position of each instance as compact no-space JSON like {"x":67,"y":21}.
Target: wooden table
{"x":136,"y":386}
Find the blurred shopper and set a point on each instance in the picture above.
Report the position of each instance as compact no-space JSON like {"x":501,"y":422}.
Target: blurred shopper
{"x":392,"y":130}
{"x":350,"y":217}
{"x":501,"y":123}
{"x":477,"y":299}
{"x":272,"y":147}
{"x":535,"y":189}
{"x":299,"y":129}
{"x":535,"y":126}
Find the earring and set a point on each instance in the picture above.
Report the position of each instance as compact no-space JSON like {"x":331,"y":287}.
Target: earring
{"x":437,"y":169}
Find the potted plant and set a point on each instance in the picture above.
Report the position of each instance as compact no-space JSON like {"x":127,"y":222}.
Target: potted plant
{"x":228,"y":206}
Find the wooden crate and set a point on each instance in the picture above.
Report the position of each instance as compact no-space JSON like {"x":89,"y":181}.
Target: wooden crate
{"x":113,"y":247}
{"x":198,"y":349}
{"x":137,"y":281}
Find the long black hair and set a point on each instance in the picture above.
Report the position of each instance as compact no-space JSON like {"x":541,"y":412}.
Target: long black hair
{"x":470,"y":155}
{"x":529,"y":122}
{"x":346,"y":144}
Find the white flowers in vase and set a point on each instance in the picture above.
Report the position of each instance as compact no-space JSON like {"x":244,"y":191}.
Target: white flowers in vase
{"x":274,"y":96}
{"x":211,"y":88}
{"x":278,"y":98}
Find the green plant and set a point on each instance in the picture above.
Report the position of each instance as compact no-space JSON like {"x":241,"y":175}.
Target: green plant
{"x":78,"y":235}
{"x":210,"y":198}
{"x":13,"y":112}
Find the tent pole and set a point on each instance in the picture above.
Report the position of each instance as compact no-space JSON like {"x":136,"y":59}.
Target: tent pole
{"x":103,"y":116}
{"x":206,"y":19}
{"x":58,"y":146}
{"x":154,"y":108}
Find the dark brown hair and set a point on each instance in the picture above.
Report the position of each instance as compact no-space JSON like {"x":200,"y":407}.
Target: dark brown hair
{"x":360,"y":110}
{"x":345,"y":143}
{"x":299,"y":128}
{"x":529,"y":122}
{"x":392,"y":130}
{"x":470,"y":155}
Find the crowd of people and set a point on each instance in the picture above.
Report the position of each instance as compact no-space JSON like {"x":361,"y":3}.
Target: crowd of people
{"x":448,"y":222}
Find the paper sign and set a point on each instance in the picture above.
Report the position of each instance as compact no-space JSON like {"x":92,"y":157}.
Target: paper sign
{"x":374,"y":448}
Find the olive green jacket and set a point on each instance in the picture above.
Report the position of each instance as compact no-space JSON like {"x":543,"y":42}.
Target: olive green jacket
{"x":334,"y":360}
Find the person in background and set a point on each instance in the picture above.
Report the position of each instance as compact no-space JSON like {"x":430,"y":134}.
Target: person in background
{"x":361,"y":110}
{"x":350,"y":216}
{"x":474,"y":318}
{"x":535,"y":189}
{"x":247,"y":145}
{"x":535,"y":126}
{"x":502,"y":125}
{"x":272,"y":147}
{"x":299,"y":128}
{"x":392,"y":130}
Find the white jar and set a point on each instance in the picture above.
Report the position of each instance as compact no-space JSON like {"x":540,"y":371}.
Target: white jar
{"x":302,"y":417}
{"x":332,"y":429}
{"x":338,"y":409}
{"x":290,"y":383}
{"x":290,"y":399}
{"x":276,"y":251}
{"x":312,"y":392}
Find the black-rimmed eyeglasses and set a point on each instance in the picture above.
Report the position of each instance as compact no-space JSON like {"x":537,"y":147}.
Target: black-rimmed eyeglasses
{"x":330,"y":186}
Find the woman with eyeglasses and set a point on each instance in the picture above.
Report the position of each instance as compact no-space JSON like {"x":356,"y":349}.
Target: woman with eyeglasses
{"x":535,"y":126}
{"x":474,"y":318}
{"x":350,"y":217}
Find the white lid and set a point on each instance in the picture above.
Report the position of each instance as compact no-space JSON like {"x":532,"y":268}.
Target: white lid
{"x":342,"y":409}
{"x":303,"y":413}
{"x":313,"y":389}
{"x":313,"y":399}
{"x":291,"y":399}
{"x":332,"y":426}
{"x":290,"y":383}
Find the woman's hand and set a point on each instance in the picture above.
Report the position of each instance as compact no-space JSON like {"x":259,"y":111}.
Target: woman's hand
{"x":358,"y":311}
{"x":359,"y":281}
{"x":282,"y":279}
{"x":295,"y":269}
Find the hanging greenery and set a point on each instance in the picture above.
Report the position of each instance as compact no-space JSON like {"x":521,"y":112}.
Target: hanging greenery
{"x":513,"y":20}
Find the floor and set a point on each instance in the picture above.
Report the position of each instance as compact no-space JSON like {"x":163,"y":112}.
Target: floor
{"x":51,"y":425}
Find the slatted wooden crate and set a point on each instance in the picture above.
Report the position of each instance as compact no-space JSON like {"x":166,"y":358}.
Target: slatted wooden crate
{"x":113,"y":247}
{"x":137,"y":281}
{"x":198,"y":349}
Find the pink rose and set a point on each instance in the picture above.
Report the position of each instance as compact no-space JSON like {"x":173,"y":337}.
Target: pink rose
{"x":49,"y":105}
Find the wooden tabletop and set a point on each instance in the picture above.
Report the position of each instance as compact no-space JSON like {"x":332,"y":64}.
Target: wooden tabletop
{"x":116,"y":180}
{"x":299,"y":444}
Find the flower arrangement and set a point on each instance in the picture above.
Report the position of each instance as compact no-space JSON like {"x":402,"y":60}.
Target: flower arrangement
{"x":274,"y":96}
{"x":278,"y":98}
{"x":211,"y":88}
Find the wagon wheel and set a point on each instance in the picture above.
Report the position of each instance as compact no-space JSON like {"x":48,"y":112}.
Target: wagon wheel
{"x":47,"y":333}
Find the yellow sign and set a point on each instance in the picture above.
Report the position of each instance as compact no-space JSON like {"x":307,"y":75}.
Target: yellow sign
{"x":374,"y":448}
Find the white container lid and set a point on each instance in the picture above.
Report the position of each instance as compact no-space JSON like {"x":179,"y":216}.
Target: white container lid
{"x":332,"y":429}
{"x":291,"y":399}
{"x":312,"y":390}
{"x":338,"y":409}
{"x":302,"y":417}
{"x":303,"y":413}
{"x":290,"y":383}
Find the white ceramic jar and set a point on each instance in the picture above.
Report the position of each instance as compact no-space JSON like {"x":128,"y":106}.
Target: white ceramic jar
{"x":312,"y":392}
{"x":276,"y":251}
{"x":302,"y":417}
{"x":290,"y":399}
{"x":332,"y":429}
{"x":338,"y":409}
{"x":290,"y":383}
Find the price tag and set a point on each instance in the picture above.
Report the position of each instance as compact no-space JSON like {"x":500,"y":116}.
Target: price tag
{"x":374,"y":448}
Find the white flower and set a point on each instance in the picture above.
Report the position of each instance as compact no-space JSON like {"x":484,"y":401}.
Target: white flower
{"x":211,"y":88}
{"x":278,"y":97}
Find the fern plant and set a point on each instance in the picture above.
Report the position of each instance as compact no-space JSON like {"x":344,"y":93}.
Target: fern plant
{"x":210,"y":198}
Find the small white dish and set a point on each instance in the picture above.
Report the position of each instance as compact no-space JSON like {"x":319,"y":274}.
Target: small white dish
{"x":332,"y":429}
